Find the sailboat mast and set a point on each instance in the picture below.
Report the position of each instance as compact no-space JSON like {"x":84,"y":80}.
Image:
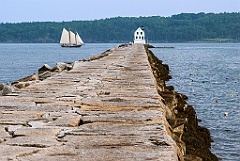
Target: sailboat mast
{"x":75,"y":37}
{"x":69,"y":36}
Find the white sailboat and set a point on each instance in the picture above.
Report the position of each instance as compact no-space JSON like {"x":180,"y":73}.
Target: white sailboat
{"x":70,"y":39}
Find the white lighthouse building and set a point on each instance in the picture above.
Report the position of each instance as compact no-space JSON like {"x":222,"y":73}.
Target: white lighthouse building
{"x":139,"y":36}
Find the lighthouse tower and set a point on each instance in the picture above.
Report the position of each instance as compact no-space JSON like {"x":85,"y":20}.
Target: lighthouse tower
{"x":139,"y":36}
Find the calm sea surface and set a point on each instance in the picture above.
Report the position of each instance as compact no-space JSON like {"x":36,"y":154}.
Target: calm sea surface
{"x":208,"y":73}
{"x":20,"y":60}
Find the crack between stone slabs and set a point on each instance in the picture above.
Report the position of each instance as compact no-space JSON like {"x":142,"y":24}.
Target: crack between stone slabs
{"x":31,"y":145}
{"x":27,"y":154}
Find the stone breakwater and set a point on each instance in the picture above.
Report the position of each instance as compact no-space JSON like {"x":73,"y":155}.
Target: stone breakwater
{"x":114,"y":106}
{"x":182,"y":118}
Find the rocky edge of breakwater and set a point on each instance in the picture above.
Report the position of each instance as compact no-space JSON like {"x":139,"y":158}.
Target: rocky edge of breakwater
{"x":44,"y":72}
{"x":193,"y":140}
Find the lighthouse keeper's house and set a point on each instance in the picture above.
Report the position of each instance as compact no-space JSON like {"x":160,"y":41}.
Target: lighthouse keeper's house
{"x":139,"y":36}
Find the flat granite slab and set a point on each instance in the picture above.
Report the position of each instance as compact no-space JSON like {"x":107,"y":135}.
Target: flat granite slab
{"x":104,"y":109}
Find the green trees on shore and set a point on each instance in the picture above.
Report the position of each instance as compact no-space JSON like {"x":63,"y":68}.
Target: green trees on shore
{"x":183,"y":27}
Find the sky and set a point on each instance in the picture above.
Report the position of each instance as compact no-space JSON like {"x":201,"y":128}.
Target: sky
{"x":69,"y":10}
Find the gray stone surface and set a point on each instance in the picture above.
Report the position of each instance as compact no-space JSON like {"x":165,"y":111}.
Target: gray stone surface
{"x":102,"y":109}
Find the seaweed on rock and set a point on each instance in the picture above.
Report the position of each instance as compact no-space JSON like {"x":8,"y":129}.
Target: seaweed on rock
{"x":181,"y":117}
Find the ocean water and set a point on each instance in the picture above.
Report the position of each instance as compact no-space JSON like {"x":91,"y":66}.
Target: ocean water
{"x":20,"y":60}
{"x":208,"y":73}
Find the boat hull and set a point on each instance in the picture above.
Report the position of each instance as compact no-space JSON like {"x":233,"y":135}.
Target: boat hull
{"x":70,"y":45}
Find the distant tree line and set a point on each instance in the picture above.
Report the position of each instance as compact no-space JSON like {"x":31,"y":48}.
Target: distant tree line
{"x":183,"y":27}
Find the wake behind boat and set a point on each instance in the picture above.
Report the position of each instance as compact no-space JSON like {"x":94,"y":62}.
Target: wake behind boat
{"x":70,"y":39}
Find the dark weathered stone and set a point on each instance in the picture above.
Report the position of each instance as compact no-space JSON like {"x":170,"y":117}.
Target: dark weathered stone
{"x":6,"y":90}
{"x":44,"y":68}
{"x":182,"y":117}
{"x":65,"y":66}
{"x":33,"y":77}
{"x":1,"y":86}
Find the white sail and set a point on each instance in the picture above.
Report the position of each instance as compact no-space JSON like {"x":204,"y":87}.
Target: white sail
{"x":64,"y":37}
{"x":72,"y":38}
{"x":78,"y":39}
